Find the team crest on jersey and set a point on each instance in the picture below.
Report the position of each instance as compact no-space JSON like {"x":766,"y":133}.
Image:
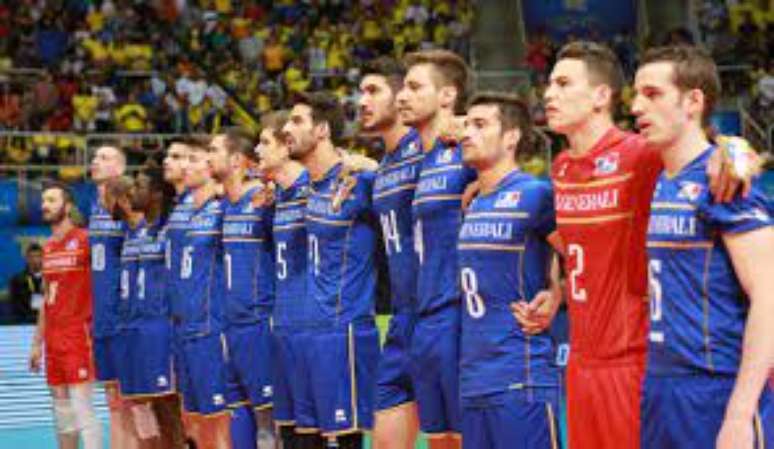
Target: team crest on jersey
{"x":604,"y":165}
{"x":507,"y":199}
{"x":249,"y":208}
{"x":560,"y":173}
{"x":689,"y":190}
{"x":71,"y":245}
{"x":445,"y":156}
{"x":411,"y":149}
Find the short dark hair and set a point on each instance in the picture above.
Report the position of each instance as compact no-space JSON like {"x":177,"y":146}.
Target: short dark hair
{"x":197,"y":142}
{"x":514,"y":113}
{"x":326,"y":108}
{"x":33,"y":247}
{"x":239,"y":140}
{"x":67,"y":193}
{"x":274,"y":121}
{"x":602,"y":64}
{"x":451,"y":68}
{"x":694,"y":68}
{"x":390,"y":68}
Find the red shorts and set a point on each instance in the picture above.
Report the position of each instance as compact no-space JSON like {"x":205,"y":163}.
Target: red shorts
{"x":69,"y":357}
{"x":603,"y":406}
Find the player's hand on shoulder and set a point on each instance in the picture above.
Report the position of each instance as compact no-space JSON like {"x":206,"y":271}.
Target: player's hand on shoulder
{"x":451,"y":130}
{"x":357,"y":162}
{"x":265,"y":196}
{"x":345,"y":183}
{"x":736,"y":433}
{"x":732,"y":167}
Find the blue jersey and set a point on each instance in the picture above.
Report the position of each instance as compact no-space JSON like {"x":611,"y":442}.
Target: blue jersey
{"x":201,"y":272}
{"x":292,"y":304}
{"x":105,"y":239}
{"x":394,"y":187}
{"x":437,"y":218}
{"x":247,"y":260}
{"x":177,"y":223}
{"x":150,"y":298}
{"x":341,"y":243}
{"x":697,"y":307}
{"x":504,"y":258}
{"x":130,"y":264}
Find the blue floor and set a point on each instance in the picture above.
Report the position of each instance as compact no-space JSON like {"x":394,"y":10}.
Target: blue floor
{"x":35,"y":438}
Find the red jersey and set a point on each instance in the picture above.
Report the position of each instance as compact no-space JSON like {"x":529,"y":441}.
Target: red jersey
{"x":602,"y":202}
{"x":67,"y":273}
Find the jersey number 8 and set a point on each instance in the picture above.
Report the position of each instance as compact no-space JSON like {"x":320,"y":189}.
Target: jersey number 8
{"x":473,"y":301}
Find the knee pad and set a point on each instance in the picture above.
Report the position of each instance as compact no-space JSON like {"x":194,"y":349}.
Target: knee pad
{"x":64,"y":416}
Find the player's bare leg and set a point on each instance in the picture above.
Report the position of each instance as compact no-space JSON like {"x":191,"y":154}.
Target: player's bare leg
{"x":64,"y":418}
{"x":396,"y":428}
{"x":84,"y":417}
{"x":121,"y":435}
{"x":168,"y":413}
{"x":214,"y":432}
{"x":444,"y":441}
{"x":266,"y":436}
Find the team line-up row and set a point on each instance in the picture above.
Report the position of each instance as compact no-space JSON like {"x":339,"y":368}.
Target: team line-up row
{"x":240,"y":291}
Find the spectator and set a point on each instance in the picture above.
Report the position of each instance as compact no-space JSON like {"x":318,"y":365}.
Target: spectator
{"x":26,"y":287}
{"x":131,"y":116}
{"x":274,"y":56}
{"x":46,"y":98}
{"x":417,"y":13}
{"x":84,"y":105}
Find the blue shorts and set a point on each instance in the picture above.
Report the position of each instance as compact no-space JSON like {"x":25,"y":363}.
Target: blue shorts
{"x":687,"y":412}
{"x":202,"y":373}
{"x":285,"y":376}
{"x":435,"y":358}
{"x":512,"y":420}
{"x":341,"y":367}
{"x":250,"y":363}
{"x":108,"y":357}
{"x":148,"y":371}
{"x":393,"y":379}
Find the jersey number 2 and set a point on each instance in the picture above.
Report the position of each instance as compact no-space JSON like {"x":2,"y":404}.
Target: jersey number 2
{"x":577,"y":293}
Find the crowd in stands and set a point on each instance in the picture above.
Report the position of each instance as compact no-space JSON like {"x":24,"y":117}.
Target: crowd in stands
{"x":152,"y":67}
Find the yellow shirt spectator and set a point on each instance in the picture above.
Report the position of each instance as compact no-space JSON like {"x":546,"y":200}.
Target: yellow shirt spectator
{"x":274,"y":57}
{"x":97,"y":51}
{"x":131,"y":117}
{"x":95,"y":20}
{"x":223,"y":6}
{"x":336,"y":57}
{"x":371,"y":30}
{"x":118,"y":54}
{"x":85,"y":106}
{"x":415,"y":34}
{"x":294,"y":79}
{"x":139,"y":56}
{"x":441,"y":34}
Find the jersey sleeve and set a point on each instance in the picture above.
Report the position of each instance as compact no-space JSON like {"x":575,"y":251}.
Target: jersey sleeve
{"x":742,"y":214}
{"x":365,"y":186}
{"x":545,"y":214}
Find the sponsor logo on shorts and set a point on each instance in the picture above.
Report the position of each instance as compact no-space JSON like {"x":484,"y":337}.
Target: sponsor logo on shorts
{"x":341,"y":415}
{"x":268,"y":391}
{"x":217,"y":399}
{"x":162,"y":381}
{"x":83,"y":373}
